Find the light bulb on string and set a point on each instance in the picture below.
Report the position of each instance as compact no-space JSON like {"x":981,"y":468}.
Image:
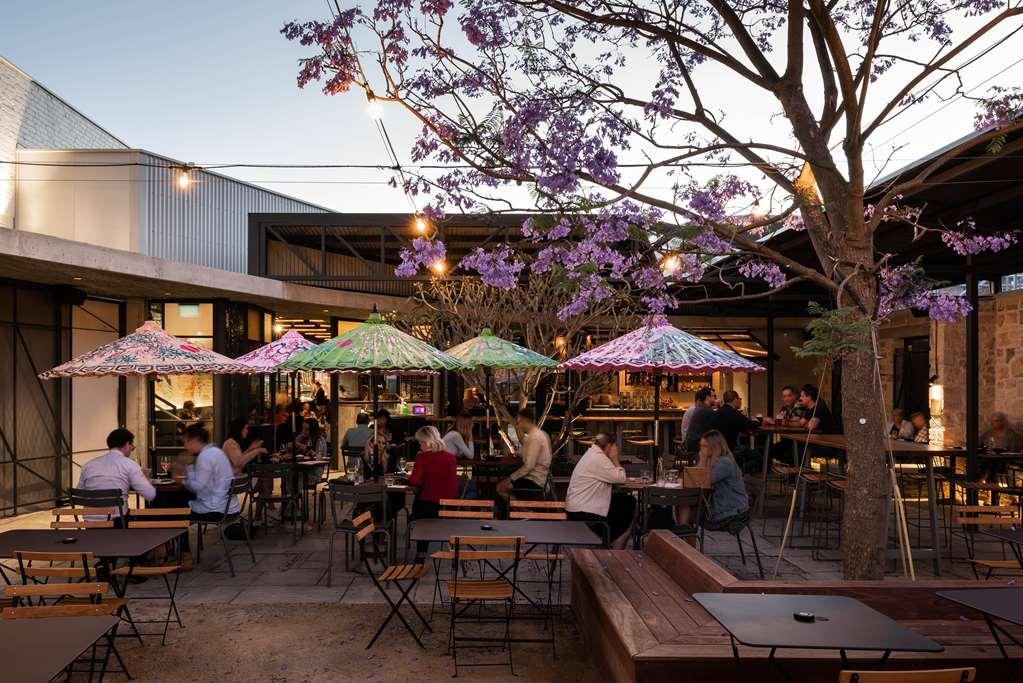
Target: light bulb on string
{"x":184,"y":180}
{"x":375,"y":109}
{"x":670,"y":265}
{"x":420,"y":224}
{"x":439,"y":266}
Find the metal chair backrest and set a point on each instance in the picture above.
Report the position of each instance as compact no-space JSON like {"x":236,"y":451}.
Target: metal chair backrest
{"x":22,"y":595}
{"x":963,"y":675}
{"x":456,"y":508}
{"x":356,"y":495}
{"x":79,"y":520}
{"x":986,"y":515}
{"x":271,"y":470}
{"x":672,"y":498}
{"x":169,"y":518}
{"x":28,"y":568}
{"x":537,"y":509}
{"x":494,"y":549}
{"x":98,"y":498}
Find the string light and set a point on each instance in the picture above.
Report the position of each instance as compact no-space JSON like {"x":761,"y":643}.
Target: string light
{"x":670,"y":265}
{"x":439,"y":266}
{"x":375,"y":109}
{"x":420,"y":224}
{"x":278,"y":328}
{"x":184,"y":180}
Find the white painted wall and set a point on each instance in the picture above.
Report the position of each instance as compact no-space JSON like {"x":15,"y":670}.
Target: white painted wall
{"x":93,"y":399}
{"x":95,"y":205}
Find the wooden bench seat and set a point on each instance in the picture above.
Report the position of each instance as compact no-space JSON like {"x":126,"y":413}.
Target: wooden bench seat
{"x":636,"y":611}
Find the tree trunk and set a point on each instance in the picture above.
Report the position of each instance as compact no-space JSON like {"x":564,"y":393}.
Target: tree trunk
{"x":864,"y":538}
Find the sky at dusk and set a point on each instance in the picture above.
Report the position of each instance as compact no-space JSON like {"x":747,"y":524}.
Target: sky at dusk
{"x":214,"y":82}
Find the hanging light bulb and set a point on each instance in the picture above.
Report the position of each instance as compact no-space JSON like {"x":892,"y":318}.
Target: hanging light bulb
{"x":184,"y":180}
{"x":439,"y":266}
{"x":278,"y":328}
{"x":670,"y":265}
{"x":375,"y":109}
{"x":420,"y":224}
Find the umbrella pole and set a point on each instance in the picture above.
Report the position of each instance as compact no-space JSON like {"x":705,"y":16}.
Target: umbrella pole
{"x":294,"y":427}
{"x":657,"y":423}
{"x":376,"y":403}
{"x":490,"y":435}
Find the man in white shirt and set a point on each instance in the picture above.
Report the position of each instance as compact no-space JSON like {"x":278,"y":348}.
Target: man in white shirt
{"x":116,"y":470}
{"x":590,"y":497}
{"x":531,"y":478}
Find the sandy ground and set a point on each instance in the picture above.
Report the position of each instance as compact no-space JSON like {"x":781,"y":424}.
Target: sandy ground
{"x":283,"y":643}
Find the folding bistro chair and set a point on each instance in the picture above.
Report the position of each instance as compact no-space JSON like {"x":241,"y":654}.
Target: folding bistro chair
{"x":89,"y":602}
{"x":456,"y":508}
{"x":98,"y":498}
{"x":393,"y":574}
{"x":270,"y":475}
{"x":79,"y":518}
{"x":240,"y":486}
{"x":468,"y":592}
{"x":346,"y":501}
{"x":155,"y":518}
{"x":671,"y":498}
{"x":964,"y":675}
{"x":551,"y":558}
{"x":974,"y":518}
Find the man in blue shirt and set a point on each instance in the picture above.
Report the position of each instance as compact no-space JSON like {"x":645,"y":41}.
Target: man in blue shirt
{"x":209,"y":480}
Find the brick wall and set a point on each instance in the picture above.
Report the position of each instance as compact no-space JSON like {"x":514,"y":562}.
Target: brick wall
{"x":32,"y":117}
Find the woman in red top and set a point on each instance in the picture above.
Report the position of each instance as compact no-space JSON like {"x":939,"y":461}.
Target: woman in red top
{"x":434,"y":475}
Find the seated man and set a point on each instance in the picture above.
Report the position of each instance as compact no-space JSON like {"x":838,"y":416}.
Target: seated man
{"x":999,"y":436}
{"x":920,"y":432}
{"x":116,"y":470}
{"x":702,"y":413}
{"x":590,"y":497}
{"x":208,"y":480}
{"x":529,"y":480}
{"x":731,"y":423}
{"x":357,"y":436}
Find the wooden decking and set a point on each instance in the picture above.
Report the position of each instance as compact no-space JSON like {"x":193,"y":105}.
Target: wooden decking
{"x":637,"y":615}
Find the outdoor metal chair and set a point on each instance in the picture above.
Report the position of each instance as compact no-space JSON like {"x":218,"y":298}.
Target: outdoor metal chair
{"x":89,"y":602}
{"x":466,"y":592}
{"x":98,"y":498}
{"x":79,"y":517}
{"x":735,"y":526}
{"x":272,"y":476}
{"x":348,"y":500}
{"x":974,"y":518}
{"x":240,"y":486}
{"x":963,"y":675}
{"x":392,"y":574}
{"x":156,"y":518}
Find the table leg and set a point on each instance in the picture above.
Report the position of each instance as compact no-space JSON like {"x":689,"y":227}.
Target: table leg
{"x":932,"y":505}
{"x":995,"y":628}
{"x":763,"y":475}
{"x":735,"y":653}
{"x":781,"y":669}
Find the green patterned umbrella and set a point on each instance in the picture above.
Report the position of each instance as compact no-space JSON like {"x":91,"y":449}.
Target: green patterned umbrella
{"x":373,"y":346}
{"x":490,"y":351}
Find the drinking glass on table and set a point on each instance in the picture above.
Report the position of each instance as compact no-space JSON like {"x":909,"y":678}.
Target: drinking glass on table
{"x":165,"y":466}
{"x":402,"y":462}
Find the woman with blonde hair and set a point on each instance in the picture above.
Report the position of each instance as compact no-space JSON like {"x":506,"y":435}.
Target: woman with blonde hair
{"x":728,"y":501}
{"x":434,"y":476}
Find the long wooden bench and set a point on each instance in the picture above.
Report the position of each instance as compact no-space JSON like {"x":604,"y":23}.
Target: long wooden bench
{"x":636,"y":612}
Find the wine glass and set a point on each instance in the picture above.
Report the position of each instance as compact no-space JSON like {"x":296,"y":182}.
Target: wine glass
{"x":165,"y":466}
{"x":402,"y":462}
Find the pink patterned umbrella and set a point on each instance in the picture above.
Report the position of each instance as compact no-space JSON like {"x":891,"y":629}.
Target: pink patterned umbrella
{"x":148,"y":351}
{"x":660,"y":347}
{"x":265,"y":359}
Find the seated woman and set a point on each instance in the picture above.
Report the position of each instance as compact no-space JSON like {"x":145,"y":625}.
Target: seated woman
{"x":729,"y":504}
{"x":312,"y":444}
{"x":590,"y":497}
{"x":237,"y":450}
{"x":434,"y":476}
{"x":459,"y":438}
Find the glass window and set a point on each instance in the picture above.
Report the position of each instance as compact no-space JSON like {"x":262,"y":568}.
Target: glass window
{"x":254,"y":328}
{"x":188,"y":320}
{"x":268,"y":328}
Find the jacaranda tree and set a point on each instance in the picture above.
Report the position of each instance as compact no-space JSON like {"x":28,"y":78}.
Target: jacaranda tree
{"x":617,"y":111}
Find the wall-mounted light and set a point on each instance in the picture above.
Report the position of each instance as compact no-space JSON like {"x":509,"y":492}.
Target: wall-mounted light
{"x":936,"y":394}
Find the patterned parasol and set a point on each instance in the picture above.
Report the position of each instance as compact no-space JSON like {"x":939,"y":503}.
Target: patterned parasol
{"x":372,"y":346}
{"x":490,"y":351}
{"x":147,"y":350}
{"x":265,"y":359}
{"x":660,"y":347}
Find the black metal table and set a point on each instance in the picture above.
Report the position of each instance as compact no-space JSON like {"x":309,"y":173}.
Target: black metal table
{"x":840,"y":623}
{"x":536,"y":532}
{"x":1014,"y":537}
{"x":994,"y":603}
{"x":105,"y":544}
{"x":36,"y":650}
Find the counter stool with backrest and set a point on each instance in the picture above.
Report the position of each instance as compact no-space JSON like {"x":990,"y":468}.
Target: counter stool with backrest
{"x":240,"y":486}
{"x":73,"y":600}
{"x":348,"y":500}
{"x":156,"y":518}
